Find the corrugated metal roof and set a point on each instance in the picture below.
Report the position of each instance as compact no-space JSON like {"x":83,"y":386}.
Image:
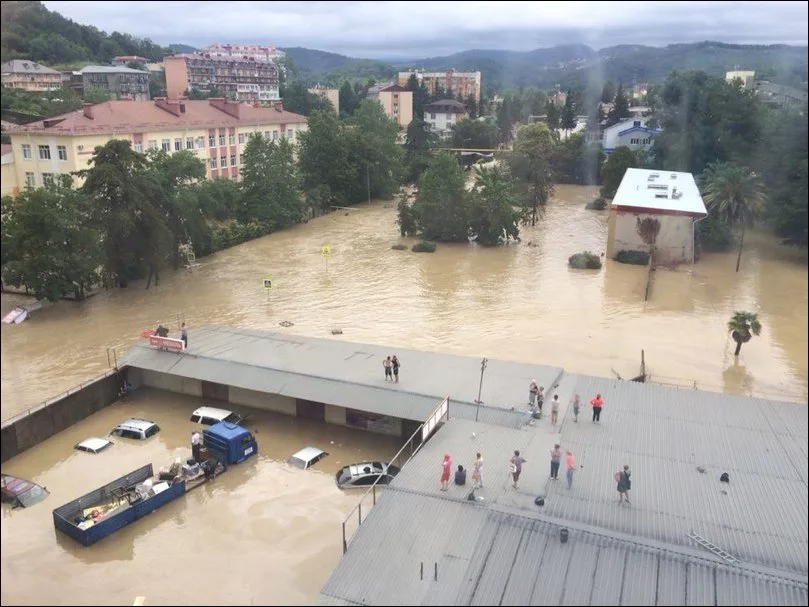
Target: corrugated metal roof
{"x":349,"y":374}
{"x":617,"y":555}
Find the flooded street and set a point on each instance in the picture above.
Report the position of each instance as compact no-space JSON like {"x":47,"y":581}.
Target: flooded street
{"x":517,"y":302}
{"x":262,"y":533}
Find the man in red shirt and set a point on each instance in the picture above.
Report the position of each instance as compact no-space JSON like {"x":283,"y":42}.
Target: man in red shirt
{"x":597,"y":403}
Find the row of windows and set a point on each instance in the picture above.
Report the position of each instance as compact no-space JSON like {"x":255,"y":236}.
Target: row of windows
{"x":198,"y":143}
{"x":639,"y":141}
{"x":223,"y":161}
{"x":44,"y":152}
{"x":31,"y":180}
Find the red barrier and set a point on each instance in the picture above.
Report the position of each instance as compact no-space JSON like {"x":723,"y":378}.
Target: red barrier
{"x":167,"y":343}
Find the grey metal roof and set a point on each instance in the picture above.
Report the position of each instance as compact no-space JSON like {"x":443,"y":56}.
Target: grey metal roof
{"x":505,"y":550}
{"x":110,"y":69}
{"x":348,"y":374}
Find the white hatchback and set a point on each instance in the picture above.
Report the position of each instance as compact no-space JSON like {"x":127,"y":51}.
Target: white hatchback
{"x":208,"y":416}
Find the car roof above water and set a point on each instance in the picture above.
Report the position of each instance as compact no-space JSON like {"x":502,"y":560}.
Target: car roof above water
{"x":214,"y":412}
{"x":307,"y":456}
{"x":93,"y":444}
{"x":136,"y":423}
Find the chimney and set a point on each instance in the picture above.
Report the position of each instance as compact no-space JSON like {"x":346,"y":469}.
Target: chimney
{"x":167,"y":106}
{"x":231,"y":108}
{"x":88,"y":111}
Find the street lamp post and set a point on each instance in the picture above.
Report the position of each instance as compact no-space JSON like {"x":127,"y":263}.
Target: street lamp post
{"x":483,"y":364}
{"x":368,"y":180}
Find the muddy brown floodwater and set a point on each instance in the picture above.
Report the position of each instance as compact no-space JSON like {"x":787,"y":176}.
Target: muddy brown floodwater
{"x":273,"y":534}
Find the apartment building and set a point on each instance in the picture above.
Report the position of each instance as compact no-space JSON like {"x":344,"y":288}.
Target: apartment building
{"x":452,"y":82}
{"x":122,"y":60}
{"x":119,"y":82}
{"x":215,"y":130}
{"x":396,"y":100}
{"x":332,"y":95}
{"x":30,"y":76}
{"x":8,"y":175}
{"x":245,"y":73}
{"x":442,"y":115}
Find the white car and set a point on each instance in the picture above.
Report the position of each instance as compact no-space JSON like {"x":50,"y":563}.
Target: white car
{"x":93,"y":445}
{"x":136,"y":428}
{"x":307,"y":457}
{"x":208,"y":416}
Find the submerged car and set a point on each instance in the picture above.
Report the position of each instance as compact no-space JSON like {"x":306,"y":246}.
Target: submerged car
{"x":366,"y":474}
{"x":307,"y":457}
{"x":208,"y":416}
{"x":21,"y":493}
{"x":93,"y":445}
{"x":136,"y":428}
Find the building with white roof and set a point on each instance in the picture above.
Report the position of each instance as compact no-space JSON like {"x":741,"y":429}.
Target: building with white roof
{"x":671,"y":198}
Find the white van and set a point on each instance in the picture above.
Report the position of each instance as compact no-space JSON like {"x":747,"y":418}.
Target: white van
{"x":208,"y":416}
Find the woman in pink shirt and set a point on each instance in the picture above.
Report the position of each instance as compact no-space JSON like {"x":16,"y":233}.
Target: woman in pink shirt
{"x":570,"y":464}
{"x":446,"y":469}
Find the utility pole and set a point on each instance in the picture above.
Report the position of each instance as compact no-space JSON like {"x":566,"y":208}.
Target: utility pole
{"x":368,"y":180}
{"x":483,"y":364}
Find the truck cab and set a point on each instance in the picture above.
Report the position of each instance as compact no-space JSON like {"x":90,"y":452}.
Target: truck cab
{"x":229,"y":443}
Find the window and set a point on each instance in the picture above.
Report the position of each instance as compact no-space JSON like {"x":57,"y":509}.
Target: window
{"x":153,"y":144}
{"x":138,"y":147}
{"x":212,"y":141}
{"x":30,"y":180}
{"x":232,"y":139}
{"x":290,"y":134}
{"x":26,"y":151}
{"x":189,"y":143}
{"x":152,"y":431}
{"x":636,"y":123}
{"x":241,"y":158}
{"x":241,"y":138}
{"x":166,"y":145}
{"x":275,"y":135}
{"x":233,"y":160}
{"x":212,"y":163}
{"x":178,"y":144}
{"x":44,"y":152}
{"x":223,"y":161}
{"x":432,"y":115}
{"x":221,"y":140}
{"x":47,"y":179}
{"x":200,"y":143}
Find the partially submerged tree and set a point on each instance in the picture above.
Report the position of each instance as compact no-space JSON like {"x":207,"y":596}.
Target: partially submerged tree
{"x":742,"y":327}
{"x":493,"y":218}
{"x":531,"y":163}
{"x":612,"y":171}
{"x":735,"y":195}
{"x":442,"y":201}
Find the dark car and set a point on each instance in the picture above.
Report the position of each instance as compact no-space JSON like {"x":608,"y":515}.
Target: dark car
{"x":20,"y":492}
{"x":366,"y":474}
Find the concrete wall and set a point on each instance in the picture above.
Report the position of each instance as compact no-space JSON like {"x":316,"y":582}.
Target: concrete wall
{"x":169,"y":383}
{"x":335,"y":415}
{"x":26,"y":430}
{"x":675,"y":242}
{"x":264,"y":401}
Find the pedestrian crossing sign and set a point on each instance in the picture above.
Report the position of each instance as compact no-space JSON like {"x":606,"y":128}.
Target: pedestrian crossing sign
{"x":325,"y":250}
{"x":267,"y":284}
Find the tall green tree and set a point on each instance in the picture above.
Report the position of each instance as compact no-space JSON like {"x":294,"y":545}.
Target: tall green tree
{"x":577,"y":162}
{"x":736,"y":195}
{"x":125,"y":208}
{"x":493,"y":217}
{"x":349,"y":99}
{"x":270,"y":187}
{"x":374,"y":145}
{"x":608,"y":92}
{"x":418,"y":142}
{"x":531,"y":165}
{"x":471,"y":106}
{"x":742,"y":326}
{"x":552,"y":116}
{"x":568,"y":118}
{"x":50,"y":248}
{"x":620,"y":107}
{"x":421,"y":96}
{"x":329,"y":173}
{"x":612,"y":171}
{"x":479,"y":134}
{"x":442,"y":202}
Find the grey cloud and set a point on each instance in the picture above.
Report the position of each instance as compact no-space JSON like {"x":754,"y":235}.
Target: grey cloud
{"x":421,"y":29}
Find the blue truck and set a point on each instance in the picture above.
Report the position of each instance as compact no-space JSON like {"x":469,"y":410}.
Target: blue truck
{"x":105,"y":510}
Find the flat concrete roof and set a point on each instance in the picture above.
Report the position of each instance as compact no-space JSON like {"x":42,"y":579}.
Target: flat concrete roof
{"x":660,"y":190}
{"x":506,"y":550}
{"x":349,"y":374}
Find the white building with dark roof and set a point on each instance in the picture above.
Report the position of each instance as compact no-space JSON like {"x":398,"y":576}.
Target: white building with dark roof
{"x":442,"y":115}
{"x":670,"y":197}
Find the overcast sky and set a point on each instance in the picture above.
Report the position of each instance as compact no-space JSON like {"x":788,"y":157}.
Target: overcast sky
{"x":424,"y":29}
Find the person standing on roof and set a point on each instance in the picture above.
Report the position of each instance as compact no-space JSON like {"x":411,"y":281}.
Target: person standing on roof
{"x":554,"y":409}
{"x":388,"y":364}
{"x":540,"y":399}
{"x":516,"y":467}
{"x":570,"y":464}
{"x":624,"y":484}
{"x":395,"y":365}
{"x":477,"y":472}
{"x":597,"y":403}
{"x":446,"y":470}
{"x":576,"y":402}
{"x":184,"y":335}
{"x":556,"y":458}
{"x":533,"y":389}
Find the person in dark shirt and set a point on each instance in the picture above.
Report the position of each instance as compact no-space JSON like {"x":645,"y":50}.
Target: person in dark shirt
{"x":460,"y":476}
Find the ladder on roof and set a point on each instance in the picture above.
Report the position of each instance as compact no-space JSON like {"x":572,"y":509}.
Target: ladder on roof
{"x":713,"y":548}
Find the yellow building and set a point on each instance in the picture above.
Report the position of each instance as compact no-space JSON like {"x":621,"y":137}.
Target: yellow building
{"x":747,"y":77}
{"x":30,"y":76}
{"x":8,"y":179}
{"x":332,"y":95}
{"x":215,"y":130}
{"x":451,"y":81}
{"x":396,"y":100}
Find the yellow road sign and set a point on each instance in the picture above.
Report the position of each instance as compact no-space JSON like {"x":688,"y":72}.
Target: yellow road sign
{"x":325,"y":250}
{"x":267,"y":284}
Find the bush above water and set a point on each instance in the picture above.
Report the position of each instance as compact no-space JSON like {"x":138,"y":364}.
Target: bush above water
{"x":425,"y":246}
{"x":599,"y":204}
{"x":584,"y":261}
{"x":399,"y":247}
{"x":638,"y":258}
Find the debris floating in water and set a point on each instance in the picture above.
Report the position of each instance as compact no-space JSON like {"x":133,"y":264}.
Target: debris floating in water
{"x":336,"y":331}
{"x":285,"y":323}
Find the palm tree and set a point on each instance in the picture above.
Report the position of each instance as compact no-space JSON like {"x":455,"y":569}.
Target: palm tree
{"x":735,"y":195}
{"x":742,"y":327}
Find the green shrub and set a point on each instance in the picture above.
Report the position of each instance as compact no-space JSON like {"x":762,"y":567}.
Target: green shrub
{"x":638,"y":258}
{"x":713,"y":234}
{"x":399,"y":247}
{"x":425,"y":246}
{"x":584,"y":261}
{"x":599,"y":204}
